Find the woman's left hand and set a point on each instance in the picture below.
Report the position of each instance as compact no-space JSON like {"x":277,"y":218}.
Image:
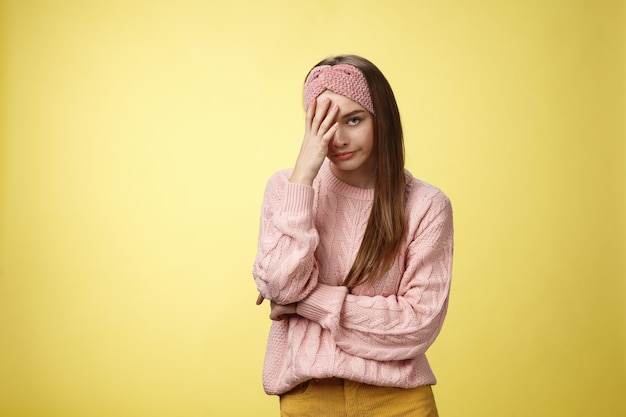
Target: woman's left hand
{"x":279,"y":312}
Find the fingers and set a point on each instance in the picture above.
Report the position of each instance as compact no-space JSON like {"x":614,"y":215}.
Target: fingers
{"x":280,"y":312}
{"x":276,"y":316}
{"x":321,"y":111}
{"x":259,"y":299}
{"x":330,"y":133}
{"x":275,"y":313}
{"x":321,"y":116}
{"x":310,"y":113}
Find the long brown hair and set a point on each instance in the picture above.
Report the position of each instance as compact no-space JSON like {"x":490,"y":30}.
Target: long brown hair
{"x":387,"y":224}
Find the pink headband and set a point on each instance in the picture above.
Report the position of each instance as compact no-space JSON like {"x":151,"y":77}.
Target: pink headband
{"x":343,"y":79}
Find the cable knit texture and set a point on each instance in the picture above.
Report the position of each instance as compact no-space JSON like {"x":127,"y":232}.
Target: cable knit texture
{"x":376,"y":334}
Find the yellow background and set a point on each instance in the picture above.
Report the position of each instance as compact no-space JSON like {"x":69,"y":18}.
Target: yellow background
{"x":137,"y":137}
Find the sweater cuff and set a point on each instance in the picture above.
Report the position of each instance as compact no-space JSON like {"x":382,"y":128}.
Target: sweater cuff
{"x":323,"y":305}
{"x":298,"y":198}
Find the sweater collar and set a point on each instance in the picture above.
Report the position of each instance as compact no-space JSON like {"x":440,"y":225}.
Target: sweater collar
{"x":336,"y":185}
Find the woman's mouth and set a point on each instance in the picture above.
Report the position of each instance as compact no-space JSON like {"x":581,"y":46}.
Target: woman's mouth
{"x":344,"y":156}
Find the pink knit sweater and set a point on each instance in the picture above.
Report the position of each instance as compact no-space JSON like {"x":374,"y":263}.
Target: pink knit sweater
{"x":377,"y":334}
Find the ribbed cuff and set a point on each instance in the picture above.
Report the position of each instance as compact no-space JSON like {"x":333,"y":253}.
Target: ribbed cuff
{"x":323,"y":304}
{"x":298,"y":198}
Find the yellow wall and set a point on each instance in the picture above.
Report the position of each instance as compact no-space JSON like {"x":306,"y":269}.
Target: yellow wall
{"x":137,"y":137}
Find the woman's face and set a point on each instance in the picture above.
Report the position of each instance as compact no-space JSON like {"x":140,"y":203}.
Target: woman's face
{"x":350,"y":151}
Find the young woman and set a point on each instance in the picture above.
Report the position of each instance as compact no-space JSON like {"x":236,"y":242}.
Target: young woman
{"x":355,"y":255}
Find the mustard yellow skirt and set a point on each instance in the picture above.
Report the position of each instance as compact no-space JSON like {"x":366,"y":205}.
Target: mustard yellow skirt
{"x":336,"y":397}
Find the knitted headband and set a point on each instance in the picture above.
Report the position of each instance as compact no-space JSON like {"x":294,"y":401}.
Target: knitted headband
{"x":343,"y":79}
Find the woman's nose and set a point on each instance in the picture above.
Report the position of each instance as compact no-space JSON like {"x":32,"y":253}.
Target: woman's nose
{"x":339,"y":139}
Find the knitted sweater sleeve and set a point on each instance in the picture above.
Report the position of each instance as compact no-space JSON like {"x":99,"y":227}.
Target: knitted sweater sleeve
{"x":401,"y":326}
{"x":285,"y":269}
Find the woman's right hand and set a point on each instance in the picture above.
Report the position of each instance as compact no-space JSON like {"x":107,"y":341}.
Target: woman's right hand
{"x":320,"y":127}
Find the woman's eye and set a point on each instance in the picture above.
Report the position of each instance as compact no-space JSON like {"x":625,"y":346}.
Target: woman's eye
{"x":353,"y":121}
